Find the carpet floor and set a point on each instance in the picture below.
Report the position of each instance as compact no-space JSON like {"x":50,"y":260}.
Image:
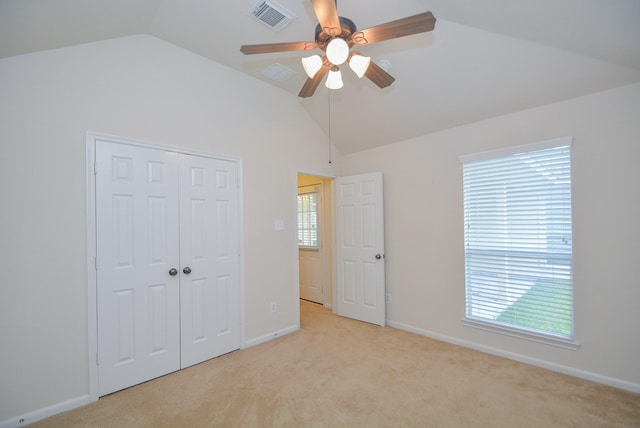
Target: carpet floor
{"x":337,"y":372}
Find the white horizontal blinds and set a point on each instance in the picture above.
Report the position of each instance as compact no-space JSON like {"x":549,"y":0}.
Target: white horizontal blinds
{"x":308,"y":220}
{"x":518,"y":244}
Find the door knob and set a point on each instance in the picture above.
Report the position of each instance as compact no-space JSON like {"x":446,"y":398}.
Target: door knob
{"x":186,"y":270}
{"x":378,"y":256}
{"x":173,"y":271}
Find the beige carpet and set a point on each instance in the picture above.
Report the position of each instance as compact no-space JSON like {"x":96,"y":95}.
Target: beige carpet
{"x":337,"y":372}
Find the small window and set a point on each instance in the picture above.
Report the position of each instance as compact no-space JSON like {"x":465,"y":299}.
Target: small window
{"x":518,"y":240}
{"x":308,"y":220}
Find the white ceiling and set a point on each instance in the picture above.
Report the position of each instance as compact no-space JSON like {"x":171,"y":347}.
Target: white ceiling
{"x":484,"y":58}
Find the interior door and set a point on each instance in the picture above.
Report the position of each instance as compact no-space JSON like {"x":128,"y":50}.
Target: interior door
{"x":209,"y":254}
{"x":311,"y":275}
{"x":360,"y":289}
{"x":137,"y":246}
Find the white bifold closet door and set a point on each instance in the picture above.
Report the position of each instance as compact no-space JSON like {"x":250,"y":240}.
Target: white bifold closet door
{"x":167,"y":262}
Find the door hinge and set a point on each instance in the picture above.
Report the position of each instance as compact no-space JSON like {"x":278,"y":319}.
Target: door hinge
{"x":95,"y":168}
{"x":96,"y":262}
{"x":97,"y":359}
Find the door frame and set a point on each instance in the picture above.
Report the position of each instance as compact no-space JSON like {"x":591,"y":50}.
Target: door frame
{"x":91,"y":243}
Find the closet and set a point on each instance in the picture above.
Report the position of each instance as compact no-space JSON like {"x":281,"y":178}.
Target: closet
{"x":167,"y":247}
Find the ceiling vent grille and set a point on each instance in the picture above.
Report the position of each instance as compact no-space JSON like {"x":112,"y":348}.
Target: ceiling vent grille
{"x":272,"y":14}
{"x":278,"y":72}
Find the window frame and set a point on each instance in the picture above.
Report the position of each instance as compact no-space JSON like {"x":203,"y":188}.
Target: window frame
{"x":565,"y":341}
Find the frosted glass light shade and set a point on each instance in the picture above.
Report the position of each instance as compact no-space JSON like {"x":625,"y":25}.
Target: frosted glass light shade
{"x":311,"y":65}
{"x":359,"y":64}
{"x":337,"y":51}
{"x":334,"y":80}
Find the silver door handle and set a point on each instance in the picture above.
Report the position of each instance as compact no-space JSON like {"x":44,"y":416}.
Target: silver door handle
{"x":378,"y":256}
{"x":173,"y":271}
{"x":186,"y":270}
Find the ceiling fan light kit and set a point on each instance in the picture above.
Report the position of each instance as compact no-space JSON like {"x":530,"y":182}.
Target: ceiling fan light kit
{"x":312,"y":64}
{"x":334,"y":79}
{"x":337,"y":51}
{"x":336,"y":35}
{"x":359,"y":64}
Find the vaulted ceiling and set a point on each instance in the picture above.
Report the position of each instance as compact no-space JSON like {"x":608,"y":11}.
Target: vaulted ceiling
{"x":484,"y":58}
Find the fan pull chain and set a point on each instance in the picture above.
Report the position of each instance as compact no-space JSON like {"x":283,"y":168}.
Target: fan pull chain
{"x":329,"y":101}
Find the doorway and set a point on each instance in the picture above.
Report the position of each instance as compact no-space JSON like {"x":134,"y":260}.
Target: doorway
{"x":315,"y":239}
{"x":350,"y":231}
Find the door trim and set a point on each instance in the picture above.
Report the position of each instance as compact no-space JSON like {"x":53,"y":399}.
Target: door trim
{"x":91,"y":230}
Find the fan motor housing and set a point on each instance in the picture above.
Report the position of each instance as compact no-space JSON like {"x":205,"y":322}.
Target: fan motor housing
{"x":348,"y":28}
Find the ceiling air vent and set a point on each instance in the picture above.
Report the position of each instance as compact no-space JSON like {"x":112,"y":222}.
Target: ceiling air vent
{"x":278,"y":72}
{"x":272,"y":14}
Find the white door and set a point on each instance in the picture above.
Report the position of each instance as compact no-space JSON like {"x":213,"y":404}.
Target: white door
{"x":360,"y":248}
{"x":167,"y":262}
{"x":137,"y":246}
{"x":311,"y":249}
{"x":311,"y":275}
{"x":209,"y":255}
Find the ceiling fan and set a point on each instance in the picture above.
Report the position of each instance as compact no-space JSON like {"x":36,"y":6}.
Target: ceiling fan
{"x":336,"y":35}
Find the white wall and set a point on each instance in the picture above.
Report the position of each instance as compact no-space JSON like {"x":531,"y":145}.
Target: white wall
{"x":141,"y":88}
{"x":424,"y":230}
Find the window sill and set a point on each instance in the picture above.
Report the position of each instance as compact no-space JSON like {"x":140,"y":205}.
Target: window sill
{"x":521,"y":334}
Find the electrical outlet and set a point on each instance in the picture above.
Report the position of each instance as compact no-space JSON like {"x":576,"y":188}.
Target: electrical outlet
{"x":274,"y":307}
{"x":387,"y":298}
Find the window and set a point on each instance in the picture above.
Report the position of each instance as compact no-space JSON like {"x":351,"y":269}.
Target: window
{"x":518,"y":242}
{"x":308,"y":220}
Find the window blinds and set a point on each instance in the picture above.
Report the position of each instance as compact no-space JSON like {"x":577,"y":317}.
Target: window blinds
{"x":308,"y":220}
{"x":518,"y":242}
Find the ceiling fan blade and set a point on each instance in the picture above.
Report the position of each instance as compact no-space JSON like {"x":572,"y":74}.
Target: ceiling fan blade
{"x":378,"y":76}
{"x":312,"y":83}
{"x":327,"y":14}
{"x":277,"y":47}
{"x":415,"y":24}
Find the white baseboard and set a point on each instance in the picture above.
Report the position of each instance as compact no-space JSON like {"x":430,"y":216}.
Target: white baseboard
{"x":582,"y":374}
{"x":38,"y":415}
{"x":328,"y":306}
{"x":270,"y":336}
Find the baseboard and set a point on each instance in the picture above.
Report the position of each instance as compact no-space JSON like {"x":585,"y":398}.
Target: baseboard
{"x":38,"y":415}
{"x":270,"y":336}
{"x":582,"y":374}
{"x":328,"y":306}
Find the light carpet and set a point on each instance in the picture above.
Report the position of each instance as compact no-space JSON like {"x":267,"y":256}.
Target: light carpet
{"x":337,"y":372}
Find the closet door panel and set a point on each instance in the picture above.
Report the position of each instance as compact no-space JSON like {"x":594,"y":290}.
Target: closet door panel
{"x":209,"y":250}
{"x":137,"y":245}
